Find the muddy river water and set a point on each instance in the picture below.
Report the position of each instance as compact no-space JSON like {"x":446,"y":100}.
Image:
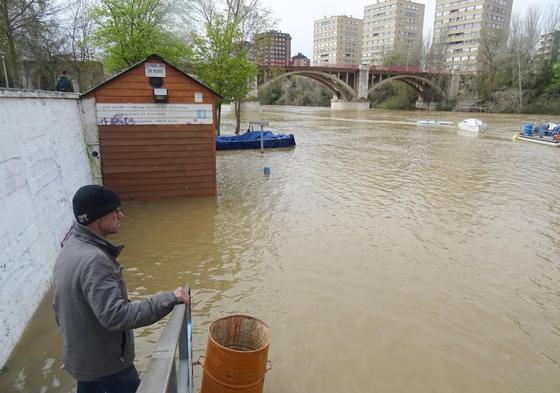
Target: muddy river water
{"x":386,"y":257}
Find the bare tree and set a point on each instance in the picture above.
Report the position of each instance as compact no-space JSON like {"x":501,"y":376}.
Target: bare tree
{"x":439,"y":50}
{"x":492,"y":48}
{"x":43,"y":49}
{"x":516,"y":33}
{"x":253,"y":17}
{"x":532,"y":29}
{"x":551,"y":18}
{"x":427,"y":43}
{"x":19,"y":21}
{"x":80,"y":34}
{"x":516,"y":46}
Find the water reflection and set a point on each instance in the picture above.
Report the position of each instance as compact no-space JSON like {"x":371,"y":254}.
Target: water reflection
{"x":385,"y":257}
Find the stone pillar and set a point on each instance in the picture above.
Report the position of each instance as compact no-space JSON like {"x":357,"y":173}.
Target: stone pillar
{"x":362,"y":82}
{"x":360,"y":101}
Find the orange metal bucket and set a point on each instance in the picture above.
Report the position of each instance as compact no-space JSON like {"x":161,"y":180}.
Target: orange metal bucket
{"x":236,"y":355}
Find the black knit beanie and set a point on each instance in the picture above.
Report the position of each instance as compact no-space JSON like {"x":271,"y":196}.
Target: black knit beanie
{"x":92,"y":202}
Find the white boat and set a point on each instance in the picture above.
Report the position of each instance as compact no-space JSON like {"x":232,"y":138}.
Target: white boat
{"x":473,"y":125}
{"x":430,"y":123}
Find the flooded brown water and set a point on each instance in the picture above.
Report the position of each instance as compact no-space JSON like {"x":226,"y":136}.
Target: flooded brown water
{"x":385,"y":257}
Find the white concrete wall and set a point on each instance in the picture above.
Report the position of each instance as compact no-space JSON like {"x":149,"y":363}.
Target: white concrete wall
{"x":43,"y":160}
{"x":91,"y":132}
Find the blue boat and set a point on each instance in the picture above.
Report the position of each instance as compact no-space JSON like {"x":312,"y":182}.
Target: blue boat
{"x":545,"y":134}
{"x":252,"y":140}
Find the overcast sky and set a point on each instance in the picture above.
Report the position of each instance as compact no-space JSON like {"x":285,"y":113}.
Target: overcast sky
{"x":296,"y":16}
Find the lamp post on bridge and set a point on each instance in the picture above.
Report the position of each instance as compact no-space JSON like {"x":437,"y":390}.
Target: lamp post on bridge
{"x":407,"y":51}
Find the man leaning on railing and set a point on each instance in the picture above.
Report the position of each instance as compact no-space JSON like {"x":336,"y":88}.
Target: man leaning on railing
{"x":91,"y":305}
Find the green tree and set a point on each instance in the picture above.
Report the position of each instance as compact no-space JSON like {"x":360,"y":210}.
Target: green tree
{"x":296,"y":90}
{"x":553,"y":89}
{"x":220,"y":60}
{"x":130,"y":30}
{"x":395,"y":95}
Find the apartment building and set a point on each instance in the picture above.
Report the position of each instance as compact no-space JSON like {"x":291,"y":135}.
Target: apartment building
{"x":391,"y":25}
{"x":337,"y":40}
{"x":549,"y":46}
{"x":272,"y":48}
{"x":300,"y":60}
{"x":459,"y":23}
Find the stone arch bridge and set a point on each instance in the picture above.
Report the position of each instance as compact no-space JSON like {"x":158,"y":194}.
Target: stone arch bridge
{"x":351,"y":85}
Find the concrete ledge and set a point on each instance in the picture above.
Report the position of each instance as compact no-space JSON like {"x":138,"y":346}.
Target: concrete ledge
{"x":349,"y":106}
{"x":22,"y":93}
{"x":250,"y":106}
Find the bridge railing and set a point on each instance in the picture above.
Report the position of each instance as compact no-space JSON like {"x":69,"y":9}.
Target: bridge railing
{"x":169,"y":371}
{"x":345,"y":66}
{"x":410,"y":69}
{"x":402,"y":69}
{"x":339,"y":65}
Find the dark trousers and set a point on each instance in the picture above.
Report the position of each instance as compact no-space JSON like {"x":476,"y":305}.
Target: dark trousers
{"x":125,"y":381}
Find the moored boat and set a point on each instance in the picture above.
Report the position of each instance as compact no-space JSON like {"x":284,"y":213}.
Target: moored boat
{"x":544,"y":140}
{"x":473,"y":125}
{"x":433,"y":123}
{"x":545,"y":134}
{"x":252,"y":140}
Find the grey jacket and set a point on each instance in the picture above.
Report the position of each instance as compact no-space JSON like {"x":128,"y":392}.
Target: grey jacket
{"x":92,"y":309}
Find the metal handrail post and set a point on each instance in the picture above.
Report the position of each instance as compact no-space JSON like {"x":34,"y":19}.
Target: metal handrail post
{"x":185,"y":366}
{"x":164,"y":374}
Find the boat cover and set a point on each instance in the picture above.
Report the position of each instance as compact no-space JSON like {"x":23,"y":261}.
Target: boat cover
{"x":252,"y":140}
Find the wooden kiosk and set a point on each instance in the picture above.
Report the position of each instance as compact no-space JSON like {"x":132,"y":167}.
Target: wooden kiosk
{"x":157,"y":128}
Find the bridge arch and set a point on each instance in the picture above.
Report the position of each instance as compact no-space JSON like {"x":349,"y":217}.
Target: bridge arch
{"x":335,"y":85}
{"x":420,"y":84}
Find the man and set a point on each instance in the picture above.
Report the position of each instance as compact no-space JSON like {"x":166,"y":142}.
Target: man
{"x":91,"y":304}
{"x":64,"y":83}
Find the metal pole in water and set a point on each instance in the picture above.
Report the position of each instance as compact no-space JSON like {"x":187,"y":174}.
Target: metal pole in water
{"x":262,"y":141}
{"x":262,"y":124}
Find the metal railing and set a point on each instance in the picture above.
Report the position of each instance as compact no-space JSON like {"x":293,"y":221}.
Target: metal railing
{"x":167,"y":372}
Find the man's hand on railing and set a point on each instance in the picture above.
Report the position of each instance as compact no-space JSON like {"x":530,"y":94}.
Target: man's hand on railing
{"x":181,"y":295}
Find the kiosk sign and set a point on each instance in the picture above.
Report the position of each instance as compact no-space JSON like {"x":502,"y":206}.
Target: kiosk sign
{"x":155,"y":70}
{"x":147,"y":114}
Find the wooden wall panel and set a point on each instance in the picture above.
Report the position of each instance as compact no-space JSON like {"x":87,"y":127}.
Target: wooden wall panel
{"x":129,"y":177}
{"x":146,"y":195}
{"x":134,"y":87}
{"x":157,"y":161}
